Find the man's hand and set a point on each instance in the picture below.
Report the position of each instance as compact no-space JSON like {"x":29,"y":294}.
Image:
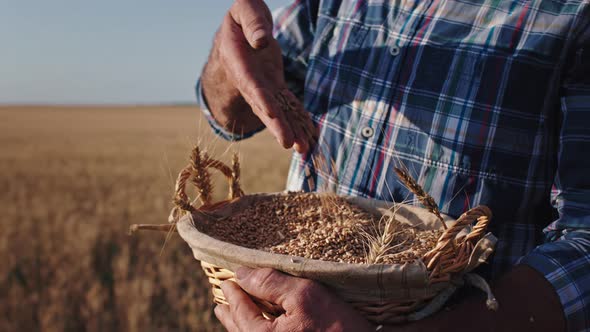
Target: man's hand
{"x":244,"y":82}
{"x":527,"y":303}
{"x":308,"y":306}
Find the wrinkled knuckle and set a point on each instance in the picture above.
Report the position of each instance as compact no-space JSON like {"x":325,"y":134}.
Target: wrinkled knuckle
{"x":227,"y":20}
{"x":235,"y":308}
{"x":225,"y":29}
{"x":256,"y":23}
{"x":304,"y":292}
{"x":264,"y":278}
{"x":307,"y":286}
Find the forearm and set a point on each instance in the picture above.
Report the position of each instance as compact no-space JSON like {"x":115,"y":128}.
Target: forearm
{"x":527,"y":301}
{"x":223,"y":99}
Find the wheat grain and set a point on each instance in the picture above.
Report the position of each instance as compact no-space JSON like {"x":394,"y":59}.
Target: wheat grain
{"x":320,"y":226}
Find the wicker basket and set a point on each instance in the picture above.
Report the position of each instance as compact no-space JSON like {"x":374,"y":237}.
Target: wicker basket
{"x":382,"y":293}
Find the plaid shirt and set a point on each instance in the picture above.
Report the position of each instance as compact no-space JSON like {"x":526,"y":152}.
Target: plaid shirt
{"x":484,"y":101}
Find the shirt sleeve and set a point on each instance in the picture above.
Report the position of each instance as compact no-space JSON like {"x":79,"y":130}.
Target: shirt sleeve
{"x":564,"y":259}
{"x":216,"y":126}
{"x":294,"y":28}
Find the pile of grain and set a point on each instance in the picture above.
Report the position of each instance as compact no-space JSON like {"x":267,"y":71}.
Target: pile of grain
{"x":322,"y":227}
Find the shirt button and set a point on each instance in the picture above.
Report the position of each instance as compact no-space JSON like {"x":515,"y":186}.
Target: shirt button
{"x":367,"y":132}
{"x":394,"y":50}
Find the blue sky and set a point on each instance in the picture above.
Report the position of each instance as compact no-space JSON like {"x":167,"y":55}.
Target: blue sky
{"x":107,"y":51}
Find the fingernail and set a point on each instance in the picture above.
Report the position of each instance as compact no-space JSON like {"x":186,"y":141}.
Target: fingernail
{"x":258,"y":35}
{"x":243,"y":272}
{"x":259,"y":39}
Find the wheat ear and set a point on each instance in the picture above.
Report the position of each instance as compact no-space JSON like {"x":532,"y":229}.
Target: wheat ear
{"x":423,"y":196}
{"x":202,"y":177}
{"x":380,"y":244}
{"x":235,"y":189}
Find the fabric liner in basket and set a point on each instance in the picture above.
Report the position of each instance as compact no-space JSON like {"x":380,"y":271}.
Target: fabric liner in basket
{"x":382,"y":293}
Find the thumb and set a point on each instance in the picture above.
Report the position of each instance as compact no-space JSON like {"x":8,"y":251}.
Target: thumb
{"x":273,"y":286}
{"x":255,"y":19}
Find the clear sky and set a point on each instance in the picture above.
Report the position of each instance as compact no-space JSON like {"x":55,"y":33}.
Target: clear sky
{"x":105,"y":51}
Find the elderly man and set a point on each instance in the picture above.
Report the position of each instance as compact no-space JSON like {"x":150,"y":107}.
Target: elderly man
{"x":488,"y":102}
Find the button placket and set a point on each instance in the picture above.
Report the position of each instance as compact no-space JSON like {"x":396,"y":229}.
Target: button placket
{"x":404,"y":24}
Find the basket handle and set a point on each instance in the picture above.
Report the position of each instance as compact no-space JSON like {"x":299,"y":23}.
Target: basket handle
{"x":197,"y":173}
{"x":451,"y":254}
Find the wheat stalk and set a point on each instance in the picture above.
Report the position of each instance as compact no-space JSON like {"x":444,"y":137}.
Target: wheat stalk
{"x":235,"y":189}
{"x":151,"y":227}
{"x":423,"y":196}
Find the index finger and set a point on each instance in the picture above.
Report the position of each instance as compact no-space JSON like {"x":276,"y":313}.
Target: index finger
{"x":245,"y":313}
{"x":255,"y":89}
{"x":274,"y":286}
{"x":223,"y":313}
{"x":264,"y":104}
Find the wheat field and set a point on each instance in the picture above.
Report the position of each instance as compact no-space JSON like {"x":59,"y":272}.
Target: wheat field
{"x":72,"y":180}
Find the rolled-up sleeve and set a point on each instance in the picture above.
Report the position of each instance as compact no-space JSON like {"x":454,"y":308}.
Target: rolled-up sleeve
{"x":565,"y":259}
{"x":294,"y":27}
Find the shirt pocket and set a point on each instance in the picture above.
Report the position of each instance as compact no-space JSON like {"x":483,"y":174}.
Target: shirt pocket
{"x":486,"y":117}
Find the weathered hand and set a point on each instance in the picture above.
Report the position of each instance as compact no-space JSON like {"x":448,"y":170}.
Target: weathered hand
{"x":308,"y":306}
{"x":252,"y":61}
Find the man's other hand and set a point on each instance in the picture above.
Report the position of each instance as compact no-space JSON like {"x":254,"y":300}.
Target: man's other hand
{"x":308,"y":306}
{"x":252,"y":61}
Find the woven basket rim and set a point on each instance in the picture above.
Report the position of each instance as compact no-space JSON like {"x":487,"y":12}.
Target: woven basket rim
{"x":230,"y":256}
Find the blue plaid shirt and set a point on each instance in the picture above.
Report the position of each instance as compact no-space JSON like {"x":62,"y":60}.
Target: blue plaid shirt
{"x":485,"y":102}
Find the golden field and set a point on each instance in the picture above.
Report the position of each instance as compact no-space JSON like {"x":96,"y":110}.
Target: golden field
{"x":72,"y":180}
